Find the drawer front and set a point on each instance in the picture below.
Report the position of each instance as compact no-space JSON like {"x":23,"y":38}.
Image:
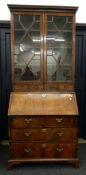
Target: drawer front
{"x":61,"y":134}
{"x":45,"y":134}
{"x":27,"y":121}
{"x":27,"y":134}
{"x":60,"y":150}
{"x":61,"y":121}
{"x":44,"y":150}
{"x":25,"y":150}
{"x":40,"y":121}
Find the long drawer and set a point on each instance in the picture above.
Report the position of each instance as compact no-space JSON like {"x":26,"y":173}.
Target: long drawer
{"x":42,"y":150}
{"x":40,"y":121}
{"x":44,"y":134}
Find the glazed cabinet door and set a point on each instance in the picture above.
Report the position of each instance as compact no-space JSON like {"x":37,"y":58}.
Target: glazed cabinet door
{"x":59,"y":57}
{"x":27,"y":56}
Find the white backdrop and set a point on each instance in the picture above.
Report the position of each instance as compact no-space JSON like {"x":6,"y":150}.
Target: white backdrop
{"x":80,"y":16}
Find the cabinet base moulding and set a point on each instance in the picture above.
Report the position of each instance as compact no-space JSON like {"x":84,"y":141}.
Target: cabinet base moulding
{"x":74,"y":162}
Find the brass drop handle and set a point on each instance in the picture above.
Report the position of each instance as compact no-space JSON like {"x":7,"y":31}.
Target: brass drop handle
{"x":44,"y":130}
{"x":59,"y":120}
{"x":27,"y":150}
{"x":44,"y":145}
{"x":27,"y":134}
{"x":60,"y":134}
{"x":59,"y":150}
{"x":28,"y":120}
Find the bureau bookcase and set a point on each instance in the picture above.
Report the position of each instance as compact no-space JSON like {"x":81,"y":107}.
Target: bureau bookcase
{"x":43,"y":108}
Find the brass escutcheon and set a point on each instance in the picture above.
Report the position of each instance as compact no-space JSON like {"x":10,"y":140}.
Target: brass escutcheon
{"x":60,"y":134}
{"x":59,"y":120}
{"x":27,"y":134}
{"x":27,"y":150}
{"x":59,"y":149}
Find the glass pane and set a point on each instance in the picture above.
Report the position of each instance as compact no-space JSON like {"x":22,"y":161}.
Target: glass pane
{"x":27,"y":48}
{"x":59,"y":48}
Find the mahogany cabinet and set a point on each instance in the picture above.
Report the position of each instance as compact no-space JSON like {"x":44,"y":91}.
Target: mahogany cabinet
{"x":43,"y":108}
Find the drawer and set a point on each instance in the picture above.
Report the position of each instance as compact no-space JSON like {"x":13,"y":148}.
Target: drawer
{"x":61,"y":150}
{"x":44,"y":134}
{"x":25,"y":150}
{"x":28,"y":134}
{"x":44,"y":150}
{"x":61,"y":121}
{"x":27,"y":121}
{"x":61,"y":134}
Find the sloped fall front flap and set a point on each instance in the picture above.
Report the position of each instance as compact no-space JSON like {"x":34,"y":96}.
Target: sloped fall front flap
{"x":42,"y":103}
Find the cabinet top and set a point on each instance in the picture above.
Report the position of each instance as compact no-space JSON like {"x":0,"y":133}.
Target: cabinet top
{"x":17,"y":8}
{"x":42,"y":103}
